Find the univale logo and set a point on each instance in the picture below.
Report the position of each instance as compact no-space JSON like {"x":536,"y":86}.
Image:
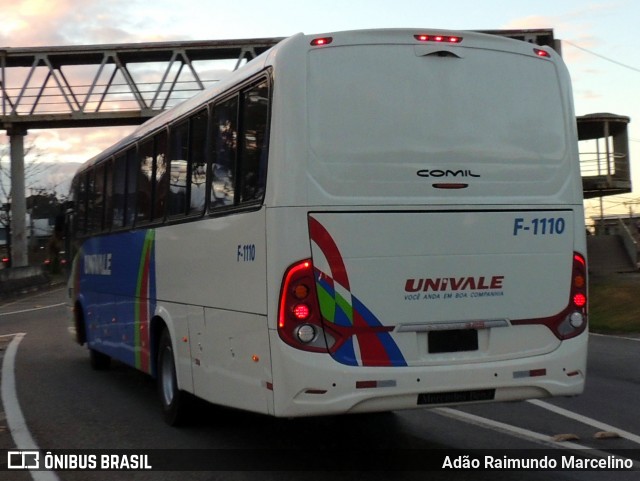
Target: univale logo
{"x":463,"y":283}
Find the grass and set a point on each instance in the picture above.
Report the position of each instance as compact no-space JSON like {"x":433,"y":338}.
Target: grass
{"x":614,"y":304}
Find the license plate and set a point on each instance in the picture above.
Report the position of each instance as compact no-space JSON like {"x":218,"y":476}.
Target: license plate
{"x":456,"y":340}
{"x":456,"y":397}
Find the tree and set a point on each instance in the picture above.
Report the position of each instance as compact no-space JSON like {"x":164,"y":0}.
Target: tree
{"x":35,"y":171}
{"x":42,"y":203}
{"x":34,"y":174}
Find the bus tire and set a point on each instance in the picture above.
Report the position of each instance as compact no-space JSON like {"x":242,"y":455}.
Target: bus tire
{"x":99,"y":361}
{"x":172,"y":399}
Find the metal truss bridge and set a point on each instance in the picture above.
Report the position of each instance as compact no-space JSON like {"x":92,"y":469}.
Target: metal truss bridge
{"x":98,"y":85}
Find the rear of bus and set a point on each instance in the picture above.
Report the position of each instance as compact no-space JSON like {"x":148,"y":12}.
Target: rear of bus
{"x":424,"y":223}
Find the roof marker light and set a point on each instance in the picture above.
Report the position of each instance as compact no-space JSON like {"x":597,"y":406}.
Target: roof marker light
{"x":438,"y":38}
{"x":541,"y":53}
{"x":321,"y":41}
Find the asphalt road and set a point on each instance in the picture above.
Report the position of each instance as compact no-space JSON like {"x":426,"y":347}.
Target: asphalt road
{"x":67,"y":405}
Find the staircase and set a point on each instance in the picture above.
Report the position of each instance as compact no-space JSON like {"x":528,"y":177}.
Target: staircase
{"x":607,"y":255}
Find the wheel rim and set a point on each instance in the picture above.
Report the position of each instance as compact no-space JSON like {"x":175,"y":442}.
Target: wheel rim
{"x":167,"y":377}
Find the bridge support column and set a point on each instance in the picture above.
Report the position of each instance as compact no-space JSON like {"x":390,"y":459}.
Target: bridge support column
{"x":19,"y":251}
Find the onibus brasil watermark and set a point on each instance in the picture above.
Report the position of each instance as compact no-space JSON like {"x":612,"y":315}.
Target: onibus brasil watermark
{"x":36,"y":460}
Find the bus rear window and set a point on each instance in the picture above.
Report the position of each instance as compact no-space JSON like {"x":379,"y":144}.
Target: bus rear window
{"x":388,"y":104}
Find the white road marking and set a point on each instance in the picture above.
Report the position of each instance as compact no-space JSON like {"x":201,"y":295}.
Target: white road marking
{"x":2,"y":314}
{"x":636,"y":339}
{"x":586,"y":420}
{"x":521,"y":432}
{"x":15,"y":420}
{"x":507,"y":428}
{"x":35,"y":296}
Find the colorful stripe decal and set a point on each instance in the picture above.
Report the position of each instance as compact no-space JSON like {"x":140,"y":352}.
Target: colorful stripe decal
{"x":145,"y":303}
{"x":370,"y":342}
{"x":323,"y":239}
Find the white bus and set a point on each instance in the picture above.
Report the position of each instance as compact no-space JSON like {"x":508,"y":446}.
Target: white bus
{"x":354,"y":222}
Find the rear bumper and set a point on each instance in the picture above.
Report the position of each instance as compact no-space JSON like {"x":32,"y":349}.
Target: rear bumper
{"x":310,"y":384}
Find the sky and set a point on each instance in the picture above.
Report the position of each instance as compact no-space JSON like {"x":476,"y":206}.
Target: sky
{"x":600,"y":45}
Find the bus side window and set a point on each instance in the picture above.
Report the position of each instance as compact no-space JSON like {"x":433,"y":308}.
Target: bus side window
{"x":108,"y":194}
{"x":178,"y":152}
{"x":161,"y":179}
{"x":119,"y":189}
{"x":81,"y":204}
{"x":132,"y":187}
{"x":254,"y":143}
{"x":198,"y":162}
{"x":225,"y":140}
{"x":97,"y":212}
{"x":145,"y":178}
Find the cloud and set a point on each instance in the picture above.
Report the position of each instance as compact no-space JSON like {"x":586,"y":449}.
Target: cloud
{"x":76,"y":145}
{"x":57,"y":178}
{"x":576,"y":26}
{"x":59,"y":153}
{"x":530,"y":22}
{"x":33,"y":23}
{"x":588,"y":95}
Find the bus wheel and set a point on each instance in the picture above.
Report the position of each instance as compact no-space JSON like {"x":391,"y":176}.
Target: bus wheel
{"x":171,"y":398}
{"x":99,"y":361}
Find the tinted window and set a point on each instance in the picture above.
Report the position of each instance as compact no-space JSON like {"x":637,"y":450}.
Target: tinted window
{"x":119,"y":191}
{"x":97,"y":209}
{"x":108,"y":194}
{"x":132,"y":194}
{"x":225,"y":142}
{"x":81,"y":203}
{"x":90,"y":200}
{"x":178,"y":151}
{"x":161,"y":182}
{"x":198,"y":162}
{"x":145,"y":179}
{"x":254,"y":145}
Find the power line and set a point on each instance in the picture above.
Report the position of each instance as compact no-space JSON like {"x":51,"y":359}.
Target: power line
{"x":602,"y":56}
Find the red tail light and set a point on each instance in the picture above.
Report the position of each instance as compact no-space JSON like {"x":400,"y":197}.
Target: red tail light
{"x":301,"y":312}
{"x":299,"y":319}
{"x":579,"y":300}
{"x":572,"y":321}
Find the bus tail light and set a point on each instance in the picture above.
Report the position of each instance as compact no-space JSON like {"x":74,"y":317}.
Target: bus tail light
{"x":299,"y":319}
{"x":572,"y":321}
